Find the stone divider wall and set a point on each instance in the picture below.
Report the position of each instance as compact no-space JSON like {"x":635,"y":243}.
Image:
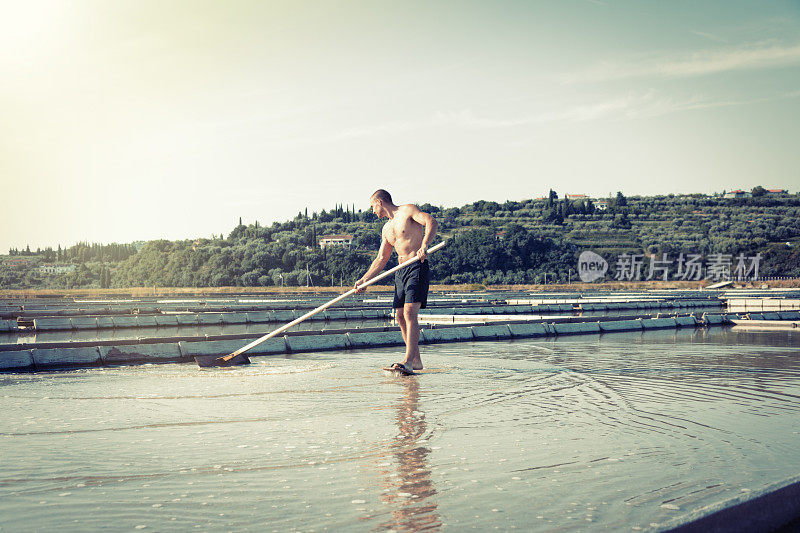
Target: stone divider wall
{"x":193,"y":319}
{"x":619,"y":305}
{"x":521,"y":308}
{"x":743,"y":305}
{"x":166,"y":350}
{"x":66,"y":323}
{"x":782,"y":315}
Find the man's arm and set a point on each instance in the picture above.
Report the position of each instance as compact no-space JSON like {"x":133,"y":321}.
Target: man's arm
{"x":431,"y":225}
{"x":378,"y":264}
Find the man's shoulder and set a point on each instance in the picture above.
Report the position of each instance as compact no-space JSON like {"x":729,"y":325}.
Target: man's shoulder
{"x":409,"y":208}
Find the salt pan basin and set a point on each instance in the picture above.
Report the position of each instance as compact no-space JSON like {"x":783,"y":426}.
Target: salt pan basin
{"x":575,"y":433}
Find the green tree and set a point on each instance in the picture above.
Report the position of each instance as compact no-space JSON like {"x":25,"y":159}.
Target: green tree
{"x":551,"y":198}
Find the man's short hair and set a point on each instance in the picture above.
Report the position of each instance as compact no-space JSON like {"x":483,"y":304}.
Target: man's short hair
{"x":382,"y":195}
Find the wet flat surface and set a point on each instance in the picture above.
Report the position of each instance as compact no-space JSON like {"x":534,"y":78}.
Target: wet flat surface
{"x":614,"y":432}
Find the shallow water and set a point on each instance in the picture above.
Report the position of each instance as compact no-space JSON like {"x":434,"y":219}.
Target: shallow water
{"x":591,"y":432}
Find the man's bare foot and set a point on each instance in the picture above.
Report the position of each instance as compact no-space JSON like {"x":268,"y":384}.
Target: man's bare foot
{"x":416,"y":363}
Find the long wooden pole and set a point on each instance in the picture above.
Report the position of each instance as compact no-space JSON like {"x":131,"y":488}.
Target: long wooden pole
{"x":325,"y":306}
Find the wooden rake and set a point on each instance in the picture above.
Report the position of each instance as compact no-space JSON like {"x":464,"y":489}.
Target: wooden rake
{"x":238,"y":357}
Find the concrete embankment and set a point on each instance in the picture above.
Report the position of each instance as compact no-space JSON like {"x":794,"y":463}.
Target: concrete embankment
{"x":55,"y":323}
{"x":66,"y":319}
{"x":745,"y":305}
{"x":597,"y":304}
{"x":43,"y":356}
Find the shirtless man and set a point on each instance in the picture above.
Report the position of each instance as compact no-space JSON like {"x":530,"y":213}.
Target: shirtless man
{"x":409,"y":231}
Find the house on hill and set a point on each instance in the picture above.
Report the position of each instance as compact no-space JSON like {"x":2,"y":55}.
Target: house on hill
{"x":738,"y":193}
{"x":16,"y":262}
{"x":336,"y":240}
{"x":601,"y":205}
{"x":777,"y":192}
{"x":576,"y":196}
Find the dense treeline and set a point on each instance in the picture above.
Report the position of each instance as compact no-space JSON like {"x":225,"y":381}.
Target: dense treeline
{"x":253,"y":258}
{"x":79,"y":253}
{"x":510,"y":242}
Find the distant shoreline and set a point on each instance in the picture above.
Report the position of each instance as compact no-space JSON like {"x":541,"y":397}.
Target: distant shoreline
{"x":469,"y":288}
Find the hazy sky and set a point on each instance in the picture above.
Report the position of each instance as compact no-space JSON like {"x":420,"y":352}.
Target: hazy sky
{"x":135,"y":120}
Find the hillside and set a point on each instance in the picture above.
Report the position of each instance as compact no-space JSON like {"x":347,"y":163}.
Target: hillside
{"x":512,"y":242}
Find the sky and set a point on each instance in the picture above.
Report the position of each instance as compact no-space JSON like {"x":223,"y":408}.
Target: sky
{"x":139,"y":120}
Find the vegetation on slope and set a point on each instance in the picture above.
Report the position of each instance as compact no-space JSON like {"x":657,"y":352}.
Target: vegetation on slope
{"x":511,"y":243}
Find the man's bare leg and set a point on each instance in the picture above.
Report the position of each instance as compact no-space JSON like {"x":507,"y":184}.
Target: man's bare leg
{"x":411,"y":335}
{"x":400,"y":317}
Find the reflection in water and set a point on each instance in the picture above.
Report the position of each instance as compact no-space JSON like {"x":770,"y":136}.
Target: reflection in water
{"x":410,"y":492}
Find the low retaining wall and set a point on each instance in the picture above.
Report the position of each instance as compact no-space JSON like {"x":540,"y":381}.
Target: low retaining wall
{"x":528,"y":330}
{"x":51,"y":355}
{"x":224,"y":347}
{"x":576,"y":305}
{"x":744,"y":305}
{"x":621,"y":325}
{"x":59,"y":323}
{"x":66,"y":357}
{"x":54,"y":324}
{"x":120,"y":322}
{"x":576,"y":328}
{"x":316,"y":343}
{"x":17,"y":360}
{"x":491,"y":332}
{"x":141,"y":353}
{"x":168,"y":321}
{"x":436,"y":335}
{"x":376,"y":338}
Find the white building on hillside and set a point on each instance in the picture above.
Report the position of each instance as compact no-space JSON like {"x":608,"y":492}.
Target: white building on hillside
{"x":336,"y":240}
{"x":56,"y":269}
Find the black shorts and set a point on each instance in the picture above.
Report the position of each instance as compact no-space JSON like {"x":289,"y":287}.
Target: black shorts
{"x":411,"y":285}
